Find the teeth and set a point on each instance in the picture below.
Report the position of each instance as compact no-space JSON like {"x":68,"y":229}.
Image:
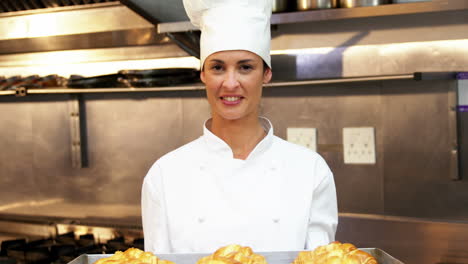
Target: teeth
{"x":231,"y":98}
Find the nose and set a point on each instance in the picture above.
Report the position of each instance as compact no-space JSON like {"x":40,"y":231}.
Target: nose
{"x":231,"y":81}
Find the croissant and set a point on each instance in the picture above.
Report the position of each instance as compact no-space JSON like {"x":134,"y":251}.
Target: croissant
{"x":335,"y":253}
{"x":132,"y":256}
{"x":233,"y":254}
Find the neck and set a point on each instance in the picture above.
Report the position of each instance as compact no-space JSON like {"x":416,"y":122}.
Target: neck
{"x":241,"y":135}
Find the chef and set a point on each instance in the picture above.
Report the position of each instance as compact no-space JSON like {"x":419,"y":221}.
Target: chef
{"x":238,"y":183}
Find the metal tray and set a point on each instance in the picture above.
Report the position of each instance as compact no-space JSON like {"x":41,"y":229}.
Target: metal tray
{"x":285,"y":257}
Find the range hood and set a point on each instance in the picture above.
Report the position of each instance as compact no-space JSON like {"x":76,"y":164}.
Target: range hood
{"x":24,"y":5}
{"x":168,"y":12}
{"x":158,"y":11}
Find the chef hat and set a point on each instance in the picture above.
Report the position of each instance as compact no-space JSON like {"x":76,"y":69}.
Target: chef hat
{"x":232,"y":25}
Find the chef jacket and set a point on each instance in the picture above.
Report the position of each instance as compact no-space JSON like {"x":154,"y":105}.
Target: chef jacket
{"x":199,"y":198}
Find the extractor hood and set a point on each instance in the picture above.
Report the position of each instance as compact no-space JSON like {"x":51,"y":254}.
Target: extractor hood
{"x":25,"y":5}
{"x":158,"y":11}
{"x":168,"y":11}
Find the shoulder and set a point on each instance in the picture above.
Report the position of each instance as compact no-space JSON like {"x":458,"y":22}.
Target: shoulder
{"x":177,"y":159}
{"x":293,"y":151}
{"x":301,"y":161}
{"x":188,"y":150}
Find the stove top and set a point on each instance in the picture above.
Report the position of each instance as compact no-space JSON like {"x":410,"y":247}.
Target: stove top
{"x":61,"y":249}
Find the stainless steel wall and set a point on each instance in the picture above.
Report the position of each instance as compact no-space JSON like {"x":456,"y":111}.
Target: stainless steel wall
{"x":126,"y":133}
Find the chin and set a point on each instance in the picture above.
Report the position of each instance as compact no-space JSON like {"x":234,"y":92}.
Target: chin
{"x":231,"y":117}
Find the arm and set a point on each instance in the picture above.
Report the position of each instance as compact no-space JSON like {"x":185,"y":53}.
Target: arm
{"x":323,"y":217}
{"x":153,"y":212}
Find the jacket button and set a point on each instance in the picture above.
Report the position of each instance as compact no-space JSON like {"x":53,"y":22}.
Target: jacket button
{"x":276,"y":220}
{"x":201,"y":220}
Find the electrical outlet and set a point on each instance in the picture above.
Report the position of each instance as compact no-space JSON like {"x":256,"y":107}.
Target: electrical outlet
{"x":306,"y":137}
{"x":359,"y":145}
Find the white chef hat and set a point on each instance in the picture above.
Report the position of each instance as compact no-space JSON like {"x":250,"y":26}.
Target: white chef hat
{"x":232,"y":25}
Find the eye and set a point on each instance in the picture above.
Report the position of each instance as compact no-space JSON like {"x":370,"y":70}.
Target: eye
{"x":216,"y":67}
{"x":246,"y":67}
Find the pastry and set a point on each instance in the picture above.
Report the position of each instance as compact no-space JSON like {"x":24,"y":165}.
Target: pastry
{"x":233,"y":254}
{"x":335,"y":253}
{"x":132,"y":256}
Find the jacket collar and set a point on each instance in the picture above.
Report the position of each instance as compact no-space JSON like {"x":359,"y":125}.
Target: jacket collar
{"x":220,"y":148}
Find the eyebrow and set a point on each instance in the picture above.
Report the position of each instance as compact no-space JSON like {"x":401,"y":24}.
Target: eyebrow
{"x":244,"y":61}
{"x":239,"y":62}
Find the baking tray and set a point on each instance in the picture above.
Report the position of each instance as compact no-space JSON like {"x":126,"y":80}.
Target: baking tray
{"x":285,"y":257}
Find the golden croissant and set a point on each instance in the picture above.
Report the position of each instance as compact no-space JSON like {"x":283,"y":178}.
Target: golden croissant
{"x":233,"y":254}
{"x":335,"y":253}
{"x":132,"y":256}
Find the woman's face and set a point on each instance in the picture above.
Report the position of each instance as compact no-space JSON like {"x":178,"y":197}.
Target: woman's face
{"x":234,"y":81}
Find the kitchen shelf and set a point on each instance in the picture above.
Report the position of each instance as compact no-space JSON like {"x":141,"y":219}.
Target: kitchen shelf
{"x":7,"y":92}
{"x":341,"y":13}
{"x":198,"y":87}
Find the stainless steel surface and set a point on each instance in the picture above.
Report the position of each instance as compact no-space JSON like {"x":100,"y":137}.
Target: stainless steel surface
{"x":58,"y":9}
{"x":452,"y":118}
{"x":100,"y":40}
{"x":100,"y":18}
{"x":410,"y":1}
{"x":462,"y":129}
{"x":202,"y":87}
{"x":117,"y":90}
{"x":96,"y":61}
{"x":353,"y":59}
{"x":284,"y":257}
{"x":7,"y":92}
{"x":75,"y":57}
{"x":359,"y":3}
{"x":303,"y":5}
{"x":412,"y":241}
{"x":158,"y":11}
{"x":75,"y":133}
{"x":24,"y":6}
{"x":182,"y":24}
{"x":40,"y":227}
{"x":31,"y":229}
{"x":377,"y":11}
{"x":128,"y":132}
{"x":279,"y":6}
{"x":188,"y":41}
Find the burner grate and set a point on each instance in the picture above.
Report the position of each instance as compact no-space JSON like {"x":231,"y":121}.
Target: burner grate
{"x":61,"y":249}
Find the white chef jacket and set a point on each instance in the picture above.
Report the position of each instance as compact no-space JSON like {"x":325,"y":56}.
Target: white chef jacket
{"x":199,"y":198}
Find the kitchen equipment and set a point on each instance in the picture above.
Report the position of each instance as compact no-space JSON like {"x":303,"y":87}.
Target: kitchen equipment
{"x":160,"y":77}
{"x":316,"y":4}
{"x":103,"y":81}
{"x":409,"y":1}
{"x":358,"y":3}
{"x":280,"y":6}
{"x":5,"y":85}
{"x":282,"y":257}
{"x":61,"y":249}
{"x":7,"y":260}
{"x":11,"y":243}
{"x":128,"y":74}
{"x":161,"y":81}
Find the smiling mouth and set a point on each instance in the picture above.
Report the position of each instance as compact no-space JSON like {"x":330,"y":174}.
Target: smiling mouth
{"x":231,"y":98}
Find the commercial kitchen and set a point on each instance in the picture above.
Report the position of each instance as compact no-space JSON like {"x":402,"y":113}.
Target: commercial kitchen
{"x":92,"y":92}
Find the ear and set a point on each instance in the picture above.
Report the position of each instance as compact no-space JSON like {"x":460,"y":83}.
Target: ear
{"x":267,"y":75}
{"x":202,"y":76}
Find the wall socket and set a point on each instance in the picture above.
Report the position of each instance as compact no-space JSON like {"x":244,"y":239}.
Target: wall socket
{"x":306,"y":137}
{"x":359,"y":145}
